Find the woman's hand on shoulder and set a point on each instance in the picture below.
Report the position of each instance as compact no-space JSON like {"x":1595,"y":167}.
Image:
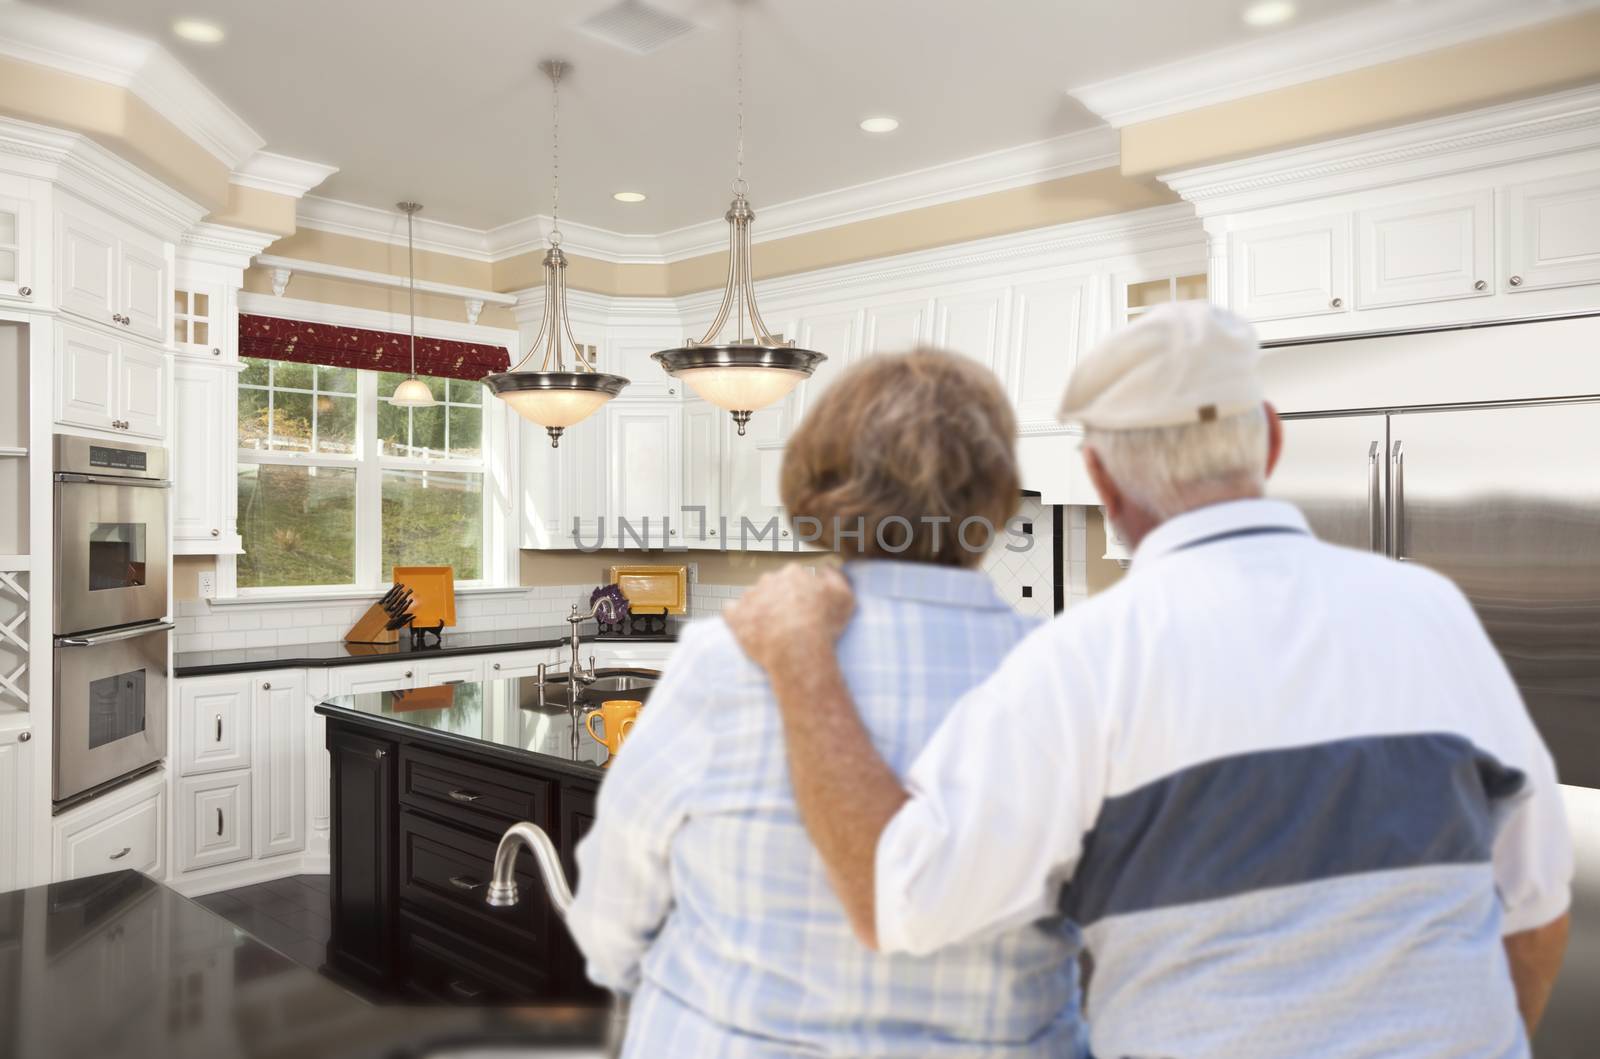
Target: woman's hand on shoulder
{"x":791,"y":619}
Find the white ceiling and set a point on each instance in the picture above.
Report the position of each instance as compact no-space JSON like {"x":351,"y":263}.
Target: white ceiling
{"x":442,"y":102}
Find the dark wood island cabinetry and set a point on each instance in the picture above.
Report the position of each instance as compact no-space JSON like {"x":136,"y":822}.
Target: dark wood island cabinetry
{"x":420,"y":798}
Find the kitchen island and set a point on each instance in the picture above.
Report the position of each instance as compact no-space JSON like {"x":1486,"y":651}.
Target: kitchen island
{"x":424,"y":782}
{"x":118,"y":965}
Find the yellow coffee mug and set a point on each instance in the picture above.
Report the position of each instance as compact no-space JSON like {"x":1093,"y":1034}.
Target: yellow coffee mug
{"x":619,"y":717}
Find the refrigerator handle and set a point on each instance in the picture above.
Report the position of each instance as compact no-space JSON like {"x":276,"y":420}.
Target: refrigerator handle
{"x":1397,"y":500}
{"x":1374,"y":500}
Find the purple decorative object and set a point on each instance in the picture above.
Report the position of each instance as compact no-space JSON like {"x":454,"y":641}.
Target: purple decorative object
{"x":612,"y":604}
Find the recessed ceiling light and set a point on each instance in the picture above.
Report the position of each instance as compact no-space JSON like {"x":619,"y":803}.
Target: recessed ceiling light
{"x":880,"y":124}
{"x":1268,"y":13}
{"x":198,"y":30}
{"x":629,"y":196}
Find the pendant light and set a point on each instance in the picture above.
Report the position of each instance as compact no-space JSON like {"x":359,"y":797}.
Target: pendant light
{"x":744,"y":374}
{"x":413,"y":392}
{"x":553,"y":396}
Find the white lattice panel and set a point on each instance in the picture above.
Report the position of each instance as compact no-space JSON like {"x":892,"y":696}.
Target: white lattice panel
{"x":13,"y":638}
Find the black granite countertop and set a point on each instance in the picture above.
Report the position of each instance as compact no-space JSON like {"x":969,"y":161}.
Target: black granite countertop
{"x":317,"y":655}
{"x":121,"y":967}
{"x":496,"y":718}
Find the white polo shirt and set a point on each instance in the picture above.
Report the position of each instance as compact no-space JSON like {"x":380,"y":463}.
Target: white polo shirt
{"x":1288,"y":789}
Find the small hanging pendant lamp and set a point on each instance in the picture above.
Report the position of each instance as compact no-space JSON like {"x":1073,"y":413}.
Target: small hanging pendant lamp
{"x":413,"y":392}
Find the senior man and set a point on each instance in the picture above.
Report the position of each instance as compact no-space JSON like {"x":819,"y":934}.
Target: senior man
{"x":1287,"y":789}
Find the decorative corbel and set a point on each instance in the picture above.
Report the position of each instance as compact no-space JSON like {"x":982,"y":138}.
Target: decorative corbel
{"x":280,"y":281}
{"x":474,"y":307}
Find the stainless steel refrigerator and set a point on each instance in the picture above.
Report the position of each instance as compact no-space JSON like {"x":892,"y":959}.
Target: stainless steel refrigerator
{"x":1503,"y":497}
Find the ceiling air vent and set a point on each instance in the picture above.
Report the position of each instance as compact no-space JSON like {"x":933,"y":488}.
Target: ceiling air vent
{"x":635,"y":27}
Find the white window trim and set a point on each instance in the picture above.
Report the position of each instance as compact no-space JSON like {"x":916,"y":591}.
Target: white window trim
{"x":501,"y":558}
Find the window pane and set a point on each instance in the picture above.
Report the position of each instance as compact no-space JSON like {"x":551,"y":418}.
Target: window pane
{"x":392,"y":426}
{"x":464,"y":392}
{"x":255,"y":371}
{"x":252,"y":418}
{"x":466,"y":432}
{"x":180,"y":329}
{"x":433,"y":518}
{"x":336,"y":380}
{"x":291,"y":422}
{"x":202,"y":332}
{"x":294,"y":376}
{"x":180,"y":302}
{"x":202,"y":304}
{"x":427,"y":431}
{"x":1151,"y":292}
{"x":298,"y":525}
{"x":336,"y":424}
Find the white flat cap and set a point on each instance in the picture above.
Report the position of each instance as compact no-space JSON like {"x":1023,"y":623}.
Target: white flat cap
{"x":1187,"y":362}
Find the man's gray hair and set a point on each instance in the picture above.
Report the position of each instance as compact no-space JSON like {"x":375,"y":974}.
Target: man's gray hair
{"x":1170,"y":470}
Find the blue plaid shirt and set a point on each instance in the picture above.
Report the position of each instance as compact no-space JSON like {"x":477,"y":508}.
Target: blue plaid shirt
{"x":701,"y":894}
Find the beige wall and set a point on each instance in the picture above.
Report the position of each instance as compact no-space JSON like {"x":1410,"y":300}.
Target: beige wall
{"x":186,"y":571}
{"x":329,"y":291}
{"x":257,"y":210}
{"x":117,"y":120}
{"x":1544,"y":58}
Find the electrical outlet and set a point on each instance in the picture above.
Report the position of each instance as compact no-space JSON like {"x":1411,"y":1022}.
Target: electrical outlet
{"x":694,"y":573}
{"x":208,"y":585}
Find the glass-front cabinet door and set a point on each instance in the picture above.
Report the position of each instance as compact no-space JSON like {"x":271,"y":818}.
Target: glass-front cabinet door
{"x":17,"y":281}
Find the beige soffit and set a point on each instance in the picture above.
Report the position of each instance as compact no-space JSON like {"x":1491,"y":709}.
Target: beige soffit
{"x":327,"y":290}
{"x":119,"y":121}
{"x":1515,"y":65}
{"x":257,"y":210}
{"x":348,"y":251}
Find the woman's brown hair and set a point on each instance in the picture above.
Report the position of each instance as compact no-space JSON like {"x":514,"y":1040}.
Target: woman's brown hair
{"x":907,"y":449}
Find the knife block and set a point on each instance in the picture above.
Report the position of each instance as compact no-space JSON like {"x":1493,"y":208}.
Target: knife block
{"x":372,"y":627}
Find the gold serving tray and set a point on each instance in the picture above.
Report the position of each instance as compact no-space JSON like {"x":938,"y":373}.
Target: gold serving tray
{"x":653,"y":589}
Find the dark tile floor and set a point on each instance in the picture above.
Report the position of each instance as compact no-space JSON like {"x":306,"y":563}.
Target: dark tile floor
{"x":291,"y":915}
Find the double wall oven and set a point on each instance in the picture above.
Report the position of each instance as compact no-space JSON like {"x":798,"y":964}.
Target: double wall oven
{"x":111,"y":627}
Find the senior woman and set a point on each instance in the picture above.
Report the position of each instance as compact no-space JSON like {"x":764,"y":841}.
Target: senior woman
{"x":699,"y":892}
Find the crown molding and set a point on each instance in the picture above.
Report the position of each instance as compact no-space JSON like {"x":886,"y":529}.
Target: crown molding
{"x":1512,"y":132}
{"x":88,"y":49}
{"x":1015,"y":167}
{"x":77,"y":164}
{"x":1320,"y":49}
{"x":372,"y":319}
{"x":220,"y":244}
{"x":281,"y":174}
{"x":382,"y":279}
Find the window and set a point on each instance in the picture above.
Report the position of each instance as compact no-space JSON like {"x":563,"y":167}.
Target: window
{"x":337,"y":486}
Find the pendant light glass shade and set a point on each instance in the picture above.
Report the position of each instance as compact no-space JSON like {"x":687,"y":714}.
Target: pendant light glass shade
{"x":413,"y":392}
{"x":744,"y":374}
{"x":554,"y":397}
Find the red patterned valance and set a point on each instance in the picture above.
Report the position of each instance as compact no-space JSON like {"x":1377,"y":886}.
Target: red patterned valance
{"x":270,"y":338}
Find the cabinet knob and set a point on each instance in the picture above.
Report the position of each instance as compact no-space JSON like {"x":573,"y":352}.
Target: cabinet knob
{"x":1481,"y":285}
{"x":216,"y":533}
{"x":1337,"y":303}
{"x":216,"y":352}
{"x":785,"y":533}
{"x":26,"y":292}
{"x":408,"y":674}
{"x":713,"y":533}
{"x":266,"y":687}
{"x":1516,"y":281}
{"x":672,"y":533}
{"x":380,"y":753}
{"x":671,"y":390}
{"x":23,"y":737}
{"x":497,"y":665}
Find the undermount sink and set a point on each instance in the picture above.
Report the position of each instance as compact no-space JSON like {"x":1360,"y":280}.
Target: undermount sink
{"x":608,"y":683}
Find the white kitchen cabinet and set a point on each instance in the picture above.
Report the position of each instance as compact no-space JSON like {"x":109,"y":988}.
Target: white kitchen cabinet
{"x":628,"y":355}
{"x":517,"y":664}
{"x":973,"y":325}
{"x":1050,"y":326}
{"x":203,"y":318}
{"x":214,"y":820}
{"x":750,"y":478}
{"x":111,"y":273}
{"x":454,"y":670}
{"x":703,"y":427}
{"x":21,"y":280}
{"x":897,"y":328}
{"x":645,"y":445}
{"x":214,"y":724}
{"x":1430,"y":250}
{"x":584,"y":510}
{"x":123,"y":829}
{"x":1551,"y":231}
{"x":16,"y":808}
{"x":204,"y":399}
{"x":1298,"y":268}
{"x":838,"y":336}
{"x":106,"y":383}
{"x":278,"y":788}
{"x":371,"y":676}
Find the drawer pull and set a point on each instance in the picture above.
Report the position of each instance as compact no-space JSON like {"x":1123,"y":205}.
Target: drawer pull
{"x":457,"y":680}
{"x":219,"y":727}
{"x":219,"y":823}
{"x":123,"y":852}
{"x":464,"y":991}
{"x":464,"y":796}
{"x":464,"y":882}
